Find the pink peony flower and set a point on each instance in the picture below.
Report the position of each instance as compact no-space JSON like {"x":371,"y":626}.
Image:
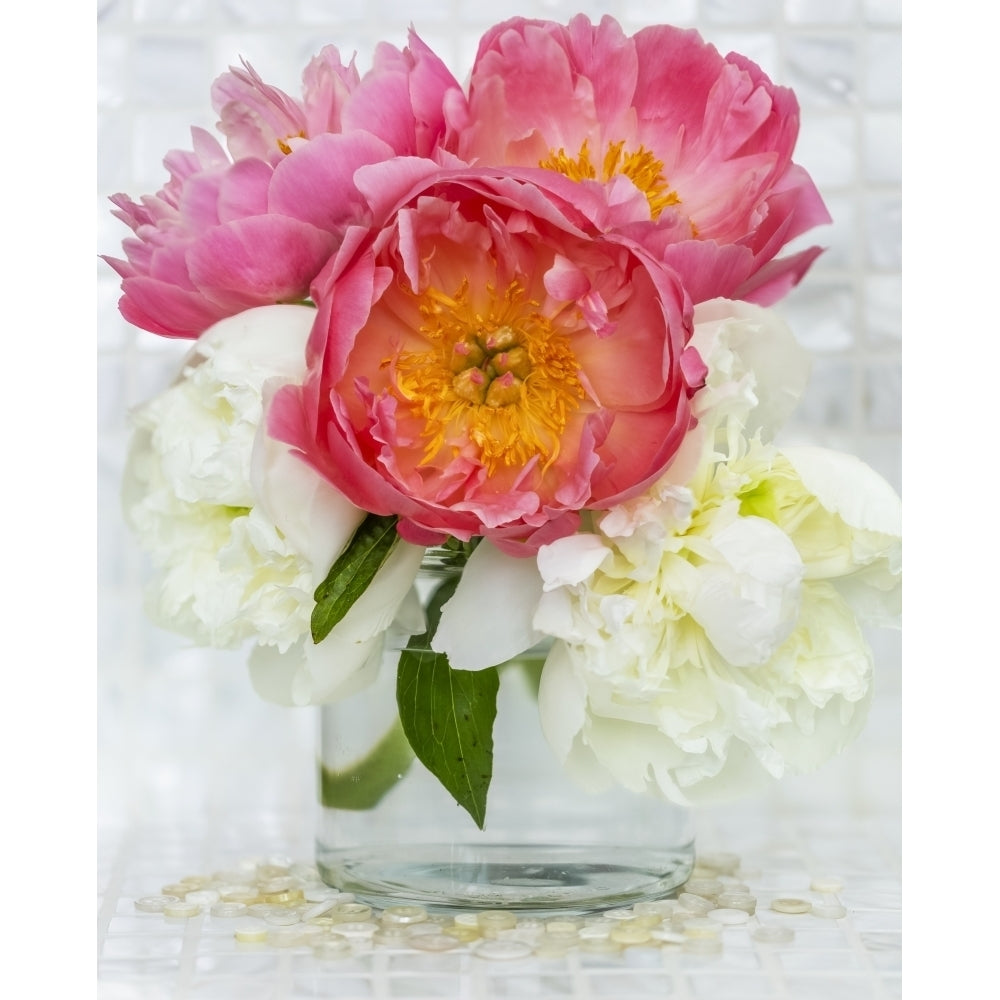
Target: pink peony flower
{"x":401,"y":100}
{"x":481,"y":364}
{"x":707,"y":140}
{"x":222,"y":237}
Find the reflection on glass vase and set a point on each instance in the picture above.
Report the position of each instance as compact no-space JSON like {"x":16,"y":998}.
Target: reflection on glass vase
{"x":389,"y":832}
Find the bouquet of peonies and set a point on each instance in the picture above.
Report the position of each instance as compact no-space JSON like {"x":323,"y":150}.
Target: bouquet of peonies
{"x":525,"y":323}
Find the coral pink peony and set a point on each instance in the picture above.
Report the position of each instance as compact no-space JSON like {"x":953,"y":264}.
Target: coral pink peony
{"x":707,"y":140}
{"x":222,"y":237}
{"x":482,"y":364}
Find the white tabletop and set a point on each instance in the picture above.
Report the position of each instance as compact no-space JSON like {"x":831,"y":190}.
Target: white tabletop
{"x":843,"y":822}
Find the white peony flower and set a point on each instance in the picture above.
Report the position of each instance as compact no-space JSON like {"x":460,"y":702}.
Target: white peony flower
{"x":242,"y":531}
{"x":712,"y":646}
{"x":757,"y":370}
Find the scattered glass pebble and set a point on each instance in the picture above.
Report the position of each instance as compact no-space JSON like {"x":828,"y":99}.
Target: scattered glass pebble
{"x":502,"y":950}
{"x":404,"y":915}
{"x":280,"y":884}
{"x":737,"y":901}
{"x":424,"y":927}
{"x":708,"y":888}
{"x":251,"y":930}
{"x":238,"y":894}
{"x":319,"y":908}
{"x":702,"y":927}
{"x":597,"y":930}
{"x":655,"y":907}
{"x":826,"y":883}
{"x":696,"y":904}
{"x":356,"y":929}
{"x":496,"y":920}
{"x":155,"y":904}
{"x":667,"y":936}
{"x":391,"y":936}
{"x":203,"y":897}
{"x":531,"y":924}
{"x":350,"y":912}
{"x":729,"y":917}
{"x":464,"y":933}
{"x":433,"y":942}
{"x":790,"y":904}
{"x":627,"y":933}
{"x":555,"y":926}
{"x":322,"y":894}
{"x":283,"y":905}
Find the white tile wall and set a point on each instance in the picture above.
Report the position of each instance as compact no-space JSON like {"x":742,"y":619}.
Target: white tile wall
{"x":164,"y":710}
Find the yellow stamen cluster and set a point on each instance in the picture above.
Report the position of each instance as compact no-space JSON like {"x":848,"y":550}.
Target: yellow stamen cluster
{"x":283,"y":143}
{"x":642,"y":168}
{"x":497,"y":374}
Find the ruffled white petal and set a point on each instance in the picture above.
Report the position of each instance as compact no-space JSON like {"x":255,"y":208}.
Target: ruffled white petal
{"x":847,"y":486}
{"x":757,"y":369}
{"x":748,"y":601}
{"x":488,"y":620}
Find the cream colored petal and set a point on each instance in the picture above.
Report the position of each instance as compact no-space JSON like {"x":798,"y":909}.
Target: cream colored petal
{"x":308,"y":674}
{"x":847,"y":486}
{"x":562,"y":701}
{"x":489,"y":618}
{"x":749,"y":602}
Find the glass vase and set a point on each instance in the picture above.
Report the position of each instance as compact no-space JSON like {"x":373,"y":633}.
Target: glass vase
{"x":389,"y":832}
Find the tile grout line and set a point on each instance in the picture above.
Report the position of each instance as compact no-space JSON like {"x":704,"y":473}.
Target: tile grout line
{"x":112,"y":893}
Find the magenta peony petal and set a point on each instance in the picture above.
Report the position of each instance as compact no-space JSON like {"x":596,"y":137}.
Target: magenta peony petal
{"x":262,"y":259}
{"x":255,"y":117}
{"x":315,"y":184}
{"x":146,"y":300}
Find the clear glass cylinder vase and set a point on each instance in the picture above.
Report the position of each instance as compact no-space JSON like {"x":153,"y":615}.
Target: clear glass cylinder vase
{"x":389,"y":832}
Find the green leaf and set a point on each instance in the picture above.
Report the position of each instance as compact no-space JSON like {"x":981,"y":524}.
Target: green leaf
{"x":448,"y":715}
{"x":353,"y":571}
{"x":364,"y":783}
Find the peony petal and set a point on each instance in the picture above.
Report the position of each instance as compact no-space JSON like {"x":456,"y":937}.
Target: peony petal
{"x":315,"y":517}
{"x":261,"y":259}
{"x":749,"y":604}
{"x":310,"y":674}
{"x":569,"y":561}
{"x":489,"y":618}
{"x":562,"y":701}
{"x":755,"y":363}
{"x":847,"y":486}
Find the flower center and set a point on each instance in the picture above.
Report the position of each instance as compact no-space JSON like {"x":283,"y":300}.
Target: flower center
{"x":500,"y":376}
{"x":642,"y":168}
{"x":285,"y":146}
